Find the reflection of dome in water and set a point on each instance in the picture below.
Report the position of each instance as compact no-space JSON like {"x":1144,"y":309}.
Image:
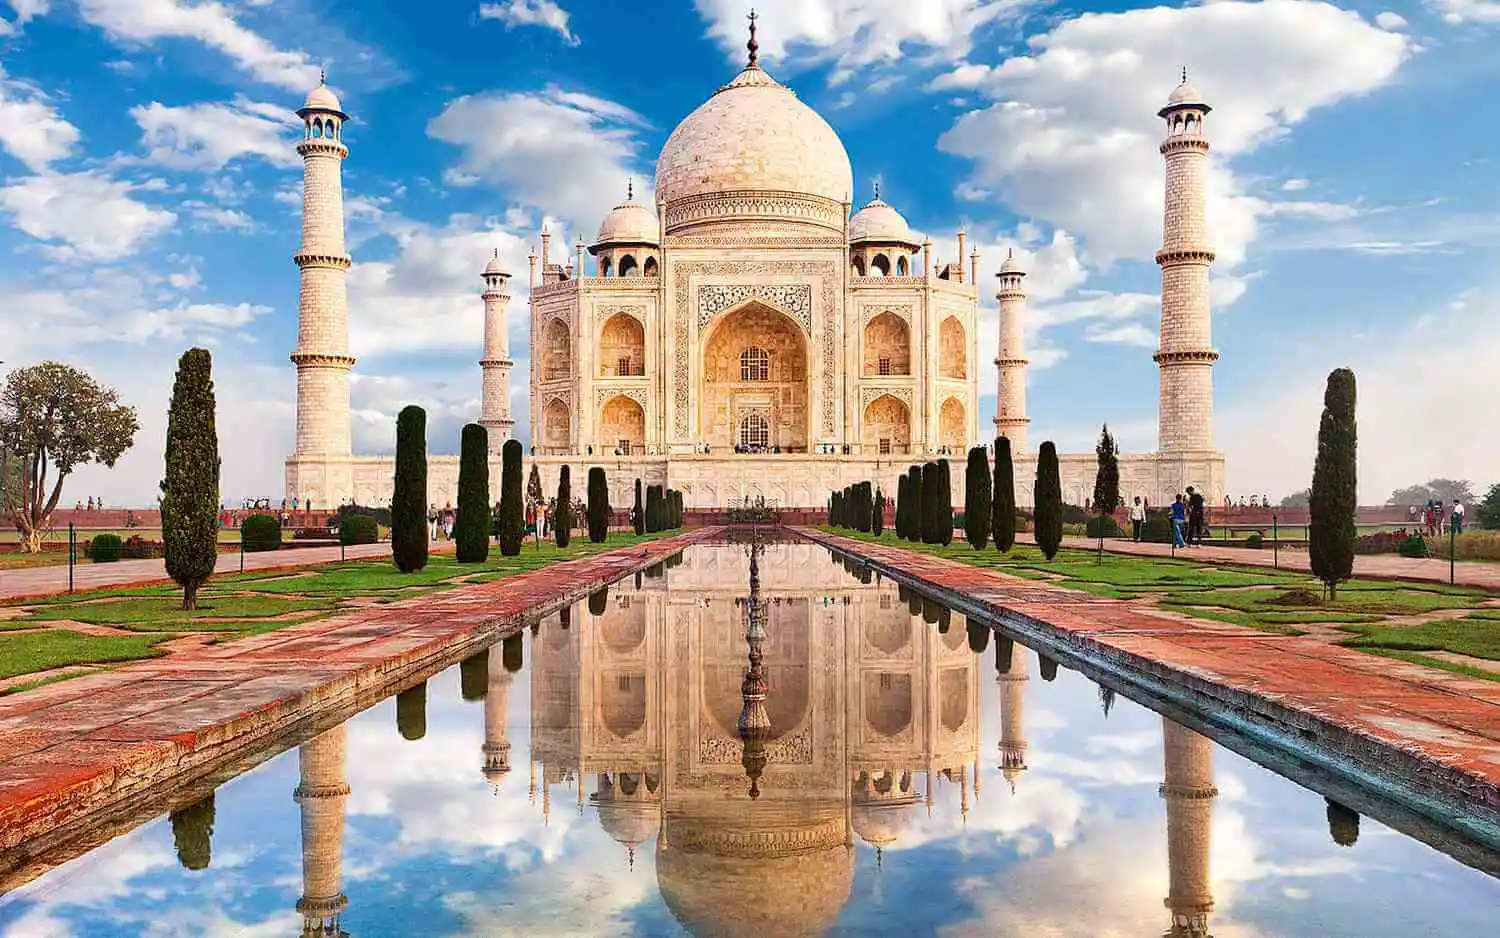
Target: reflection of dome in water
{"x":758,"y":897}
{"x":880,"y":824}
{"x":629,"y":822}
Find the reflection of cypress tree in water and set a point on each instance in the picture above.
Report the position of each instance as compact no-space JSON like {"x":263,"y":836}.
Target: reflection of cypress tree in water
{"x":914,"y":603}
{"x":1343,"y":824}
{"x":1188,"y":789}
{"x":598,"y":601}
{"x":411,"y":712}
{"x":754,"y":724}
{"x":1106,"y":700}
{"x":979,"y":637}
{"x":1048,"y":668}
{"x":945,"y":619}
{"x":565,"y":617}
{"x":512,"y":652}
{"x":1003,"y":647}
{"x":473,"y":676}
{"x":192,"y":833}
{"x":930,"y":609}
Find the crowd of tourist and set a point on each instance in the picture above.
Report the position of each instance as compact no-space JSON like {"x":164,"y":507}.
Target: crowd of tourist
{"x":1435,"y":520}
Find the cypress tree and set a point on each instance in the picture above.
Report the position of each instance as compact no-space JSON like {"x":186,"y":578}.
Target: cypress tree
{"x":598,"y":505}
{"x":411,"y":712}
{"x":864,"y":506}
{"x":639,"y":518}
{"x":512,"y":521}
{"x":562,"y":523}
{"x":944,"y":504}
{"x":1048,"y":501}
{"x":1343,"y":823}
{"x":190,"y":489}
{"x":653,"y":509}
{"x":914,"y":515}
{"x":193,"y":831}
{"x":930,"y":495}
{"x":977,"y":498}
{"x":877,"y":516}
{"x":1003,"y":499}
{"x":471,"y":529}
{"x":409,"y":497}
{"x":903,"y":504}
{"x":1106,"y":481}
{"x":1331,"y":533}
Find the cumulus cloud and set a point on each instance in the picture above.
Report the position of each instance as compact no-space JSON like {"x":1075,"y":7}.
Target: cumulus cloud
{"x":1455,"y":12}
{"x":85,"y":214}
{"x":1390,"y":20}
{"x":543,"y":13}
{"x":209,"y":136}
{"x":31,"y":129}
{"x":1075,"y":125}
{"x":560,"y":151}
{"x":141,"y":22}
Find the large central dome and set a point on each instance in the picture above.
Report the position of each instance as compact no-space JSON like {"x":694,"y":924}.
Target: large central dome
{"x":754,"y":151}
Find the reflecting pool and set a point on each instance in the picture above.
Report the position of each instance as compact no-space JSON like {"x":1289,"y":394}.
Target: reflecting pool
{"x":760,"y":741}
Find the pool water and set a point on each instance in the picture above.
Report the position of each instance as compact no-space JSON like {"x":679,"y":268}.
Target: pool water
{"x":817,"y":752}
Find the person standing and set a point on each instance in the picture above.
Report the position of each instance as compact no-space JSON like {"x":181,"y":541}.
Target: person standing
{"x":1137,"y":518}
{"x":1195,"y":511}
{"x":1439,"y":518}
{"x":1458,"y":517}
{"x":1179,"y":520}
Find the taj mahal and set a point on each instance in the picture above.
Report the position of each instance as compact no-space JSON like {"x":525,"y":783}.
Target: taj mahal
{"x":749,"y":334}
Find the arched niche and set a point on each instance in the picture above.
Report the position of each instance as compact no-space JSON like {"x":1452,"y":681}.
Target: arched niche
{"x":729,"y":393}
{"x":622,"y":425}
{"x":887,"y":346}
{"x":952,"y":349}
{"x":557,"y":426}
{"x":888,"y":703}
{"x":622,"y":347}
{"x":622,"y":703}
{"x":953,"y":696}
{"x":556,"y":352}
{"x":886,"y":427}
{"x":953,"y":426}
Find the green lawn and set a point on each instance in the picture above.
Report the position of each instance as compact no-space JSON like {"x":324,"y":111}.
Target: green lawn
{"x":160,"y":611}
{"x":55,"y":648}
{"x":1478,"y":638}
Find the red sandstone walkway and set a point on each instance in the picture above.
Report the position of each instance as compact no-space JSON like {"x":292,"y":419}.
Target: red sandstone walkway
{"x":1375,"y":567}
{"x":78,"y":746}
{"x":1438,"y":720}
{"x":31,"y":582}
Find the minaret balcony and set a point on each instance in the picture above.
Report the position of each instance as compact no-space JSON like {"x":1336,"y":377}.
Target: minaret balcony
{"x":321,"y":259}
{"x":496,"y":363}
{"x":1186,"y":357}
{"x":1177,"y":256}
{"x":322,"y":147}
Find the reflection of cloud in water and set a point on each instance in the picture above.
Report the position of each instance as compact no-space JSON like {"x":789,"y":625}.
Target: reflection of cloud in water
{"x":565,"y":900}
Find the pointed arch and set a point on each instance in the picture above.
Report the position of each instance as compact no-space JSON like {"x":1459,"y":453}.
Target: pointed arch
{"x":886,"y":427}
{"x":622,"y":425}
{"x":953,"y":426}
{"x":557,"y":426}
{"x":953,"y":349}
{"x":622,"y":347}
{"x":887,"y":348}
{"x":556,"y":350}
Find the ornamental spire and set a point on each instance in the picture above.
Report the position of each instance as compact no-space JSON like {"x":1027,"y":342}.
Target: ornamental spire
{"x":630,"y":189}
{"x":752,"y":45}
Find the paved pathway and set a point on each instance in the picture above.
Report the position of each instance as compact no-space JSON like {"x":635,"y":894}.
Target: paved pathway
{"x":1436,"y":732}
{"x":1374,"y":566}
{"x":76,"y":747}
{"x":29,"y":582}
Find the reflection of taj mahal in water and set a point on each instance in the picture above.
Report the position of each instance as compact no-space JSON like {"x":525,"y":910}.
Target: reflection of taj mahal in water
{"x":746,"y":334}
{"x":749,"y":742}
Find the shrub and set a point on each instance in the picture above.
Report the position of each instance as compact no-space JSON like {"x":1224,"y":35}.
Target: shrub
{"x":190,"y":489}
{"x":358,"y":529}
{"x":1255,"y":541}
{"x":1076,"y":530}
{"x":512,"y":518}
{"x":260,"y":533}
{"x":1331,"y":532}
{"x":1157,"y":528}
{"x":1049,"y":515}
{"x":1380,"y":542}
{"x":945,"y":504}
{"x":653,"y":509}
{"x":471,"y":529}
{"x":381,"y":515}
{"x":1470,"y":545}
{"x":864,"y":504}
{"x":638,"y":514}
{"x":104,"y":548}
{"x":929,"y":487}
{"x":977,"y":486}
{"x":562,"y":522}
{"x":598,"y":505}
{"x":138,"y":548}
{"x":1074,"y":514}
{"x":1103,"y":526}
{"x":1413,"y":546}
{"x":409,"y":499}
{"x":1003,"y":520}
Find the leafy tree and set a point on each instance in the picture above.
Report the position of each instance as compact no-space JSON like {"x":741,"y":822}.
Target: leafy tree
{"x":536,"y":501}
{"x":512,"y":524}
{"x":562,"y":525}
{"x":638,"y":514}
{"x":1331,"y":532}
{"x":53,"y":420}
{"x":1447,"y":491}
{"x":877,"y":516}
{"x":471,"y":529}
{"x":977,"y":498}
{"x":192,"y":833}
{"x":598,"y":505}
{"x":1488,"y":512}
{"x":1297,"y":499}
{"x":411,"y":711}
{"x":1003,"y":498}
{"x":409,"y":499}
{"x":944,"y":518}
{"x":1048,"y":501}
{"x":1106,"y":481}
{"x":190,"y":489}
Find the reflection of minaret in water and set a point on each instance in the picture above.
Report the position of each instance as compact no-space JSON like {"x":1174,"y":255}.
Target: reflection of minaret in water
{"x":1188,"y":788}
{"x":321,"y":793}
{"x":1012,"y":667}
{"x":754,"y":722}
{"x":496,"y":747}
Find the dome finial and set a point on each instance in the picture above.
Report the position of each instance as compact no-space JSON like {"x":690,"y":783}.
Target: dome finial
{"x":630,"y":189}
{"x":877,"y":190}
{"x":752,"y":45}
{"x":1184,"y":74}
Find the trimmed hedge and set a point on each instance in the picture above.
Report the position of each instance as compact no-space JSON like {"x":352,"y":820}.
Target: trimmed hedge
{"x":638,"y":514}
{"x":512,"y":516}
{"x":358,"y":529}
{"x":104,"y":548}
{"x":1049,"y":503}
{"x":260,"y":533}
{"x":1104,"y":526}
{"x":977,"y":498}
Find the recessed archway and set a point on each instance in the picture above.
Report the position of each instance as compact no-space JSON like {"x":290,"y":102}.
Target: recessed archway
{"x":622,"y":347}
{"x":953,"y":427}
{"x":731,"y":391}
{"x":623,"y":703}
{"x":887,"y":346}
{"x":888,"y":703}
{"x":556,"y":351}
{"x":886,"y":427}
{"x":952,"y":349}
{"x":557,"y":426}
{"x":622,"y":426}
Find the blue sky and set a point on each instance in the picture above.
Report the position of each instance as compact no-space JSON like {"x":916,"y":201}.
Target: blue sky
{"x":149,"y":194}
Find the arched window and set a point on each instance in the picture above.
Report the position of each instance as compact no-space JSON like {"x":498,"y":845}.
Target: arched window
{"x":318,"y":127}
{"x":650,"y":269}
{"x":859,"y":266}
{"x":901,"y":267}
{"x":606,"y":269}
{"x":755,"y":432}
{"x":755,"y":365}
{"x":628,"y":266}
{"x":333,"y":129}
{"x":880,"y":266}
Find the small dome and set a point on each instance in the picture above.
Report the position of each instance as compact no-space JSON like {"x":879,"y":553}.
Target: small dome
{"x":1011,"y":265}
{"x":629,"y":222}
{"x":1184,"y":96}
{"x":629,"y":823}
{"x":877,"y":221}
{"x":321,"y":99}
{"x":880,"y":824}
{"x":495,"y":267}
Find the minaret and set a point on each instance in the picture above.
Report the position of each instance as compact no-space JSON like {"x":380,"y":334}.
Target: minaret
{"x":1012,"y":681}
{"x":1188,"y":789}
{"x":1010,"y":404}
{"x":496,"y":698}
{"x":495,"y":409}
{"x":1186,"y":356}
{"x":322,"y":356}
{"x":321,"y":793}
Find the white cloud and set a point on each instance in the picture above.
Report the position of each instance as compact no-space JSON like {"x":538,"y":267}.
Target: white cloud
{"x":1130,"y":333}
{"x":1390,"y":20}
{"x":1076,"y":114}
{"x":90,"y":213}
{"x":31,"y":129}
{"x":211,"y":23}
{"x":1455,"y":12}
{"x":208,"y":217}
{"x":1294,"y":185}
{"x":544,"y":13}
{"x":560,"y":151}
{"x":28,"y":10}
{"x":855,"y":33}
{"x":211,"y":135}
